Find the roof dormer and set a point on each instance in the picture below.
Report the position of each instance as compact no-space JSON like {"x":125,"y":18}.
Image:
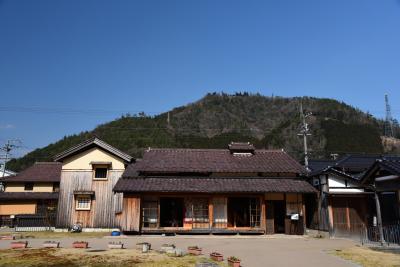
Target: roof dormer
{"x":241,"y":148}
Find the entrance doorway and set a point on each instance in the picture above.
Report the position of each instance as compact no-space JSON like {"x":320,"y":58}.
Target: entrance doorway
{"x":276,"y":212}
{"x":279,"y":216}
{"x":171,"y":212}
{"x":244,"y":212}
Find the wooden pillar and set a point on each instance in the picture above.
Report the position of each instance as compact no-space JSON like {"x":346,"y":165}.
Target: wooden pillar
{"x":263,"y":215}
{"x":348,"y":223}
{"x":398,"y":203}
{"x":330,"y":214}
{"x":379,"y":218}
{"x":210,"y":212}
{"x":158,"y":212}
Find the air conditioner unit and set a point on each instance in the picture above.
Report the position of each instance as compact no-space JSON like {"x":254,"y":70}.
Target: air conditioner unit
{"x":316,"y":182}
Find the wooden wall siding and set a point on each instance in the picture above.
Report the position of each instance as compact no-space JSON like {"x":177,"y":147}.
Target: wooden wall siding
{"x":102,"y":212}
{"x":349,"y":215}
{"x":129,"y":219}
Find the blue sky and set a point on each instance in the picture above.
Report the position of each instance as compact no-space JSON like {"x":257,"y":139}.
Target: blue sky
{"x":130,"y":56}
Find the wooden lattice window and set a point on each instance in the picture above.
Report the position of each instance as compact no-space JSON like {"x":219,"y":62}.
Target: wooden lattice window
{"x":200,"y":210}
{"x":83,"y":202}
{"x":150,"y":214}
{"x":255,"y":212}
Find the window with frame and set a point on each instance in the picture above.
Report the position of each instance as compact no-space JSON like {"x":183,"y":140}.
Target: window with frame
{"x":83,"y":202}
{"x":28,"y":186}
{"x":200,"y":210}
{"x":150,"y":214}
{"x":100,"y":173}
{"x":255,"y":212}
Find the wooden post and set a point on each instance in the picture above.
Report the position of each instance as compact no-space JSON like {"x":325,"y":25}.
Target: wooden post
{"x":210,"y":212}
{"x":379,"y":218}
{"x":330,"y":212}
{"x":158,"y":212}
{"x":263,"y":215}
{"x":348,"y":224}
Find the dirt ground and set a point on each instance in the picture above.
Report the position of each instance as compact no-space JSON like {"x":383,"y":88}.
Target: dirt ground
{"x":254,"y":251}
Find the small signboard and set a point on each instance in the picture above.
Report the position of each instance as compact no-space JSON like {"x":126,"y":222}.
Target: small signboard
{"x":294,"y":216}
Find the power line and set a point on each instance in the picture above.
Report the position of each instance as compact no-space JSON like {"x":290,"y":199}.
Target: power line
{"x":70,"y":110}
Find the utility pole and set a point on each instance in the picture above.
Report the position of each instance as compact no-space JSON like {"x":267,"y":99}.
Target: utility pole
{"x":388,"y":120}
{"x":304,"y":132}
{"x":334,"y":156}
{"x":7,"y":148}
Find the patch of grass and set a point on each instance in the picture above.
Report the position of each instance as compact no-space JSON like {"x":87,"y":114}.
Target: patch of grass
{"x":369,"y":257}
{"x":80,"y":258}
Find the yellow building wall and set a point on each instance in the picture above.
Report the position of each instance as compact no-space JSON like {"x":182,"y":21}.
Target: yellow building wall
{"x":82,"y":160}
{"x":20,"y":208}
{"x":37,"y":187}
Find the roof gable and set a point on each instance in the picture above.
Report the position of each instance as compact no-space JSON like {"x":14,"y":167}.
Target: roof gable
{"x":391,"y":165}
{"x":94,"y":142}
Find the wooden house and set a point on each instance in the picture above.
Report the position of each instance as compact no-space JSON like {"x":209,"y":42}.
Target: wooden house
{"x":88,"y":174}
{"x":33,"y":191}
{"x":234,"y":190}
{"x":384,"y":178}
{"x":346,"y":205}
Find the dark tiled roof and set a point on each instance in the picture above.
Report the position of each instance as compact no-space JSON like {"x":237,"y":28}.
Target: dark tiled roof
{"x":27,"y":195}
{"x":93,"y":142}
{"x":356,"y":163}
{"x":331,"y":170}
{"x":38,"y":172}
{"x":213,"y":185}
{"x":213,"y":160}
{"x":392,"y":166}
{"x":317,"y":165}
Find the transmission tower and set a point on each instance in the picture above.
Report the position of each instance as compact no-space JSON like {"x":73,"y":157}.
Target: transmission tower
{"x":388,"y":120}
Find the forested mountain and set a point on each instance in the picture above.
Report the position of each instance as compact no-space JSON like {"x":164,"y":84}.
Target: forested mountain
{"x":217,"y":119}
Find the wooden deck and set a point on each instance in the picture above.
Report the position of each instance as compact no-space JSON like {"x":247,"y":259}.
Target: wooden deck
{"x":202,"y":231}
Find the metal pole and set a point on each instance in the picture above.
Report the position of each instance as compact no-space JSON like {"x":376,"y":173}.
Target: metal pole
{"x":379,"y":218}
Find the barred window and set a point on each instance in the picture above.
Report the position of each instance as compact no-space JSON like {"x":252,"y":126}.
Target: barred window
{"x":100,"y":173}
{"x":83,"y":202}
